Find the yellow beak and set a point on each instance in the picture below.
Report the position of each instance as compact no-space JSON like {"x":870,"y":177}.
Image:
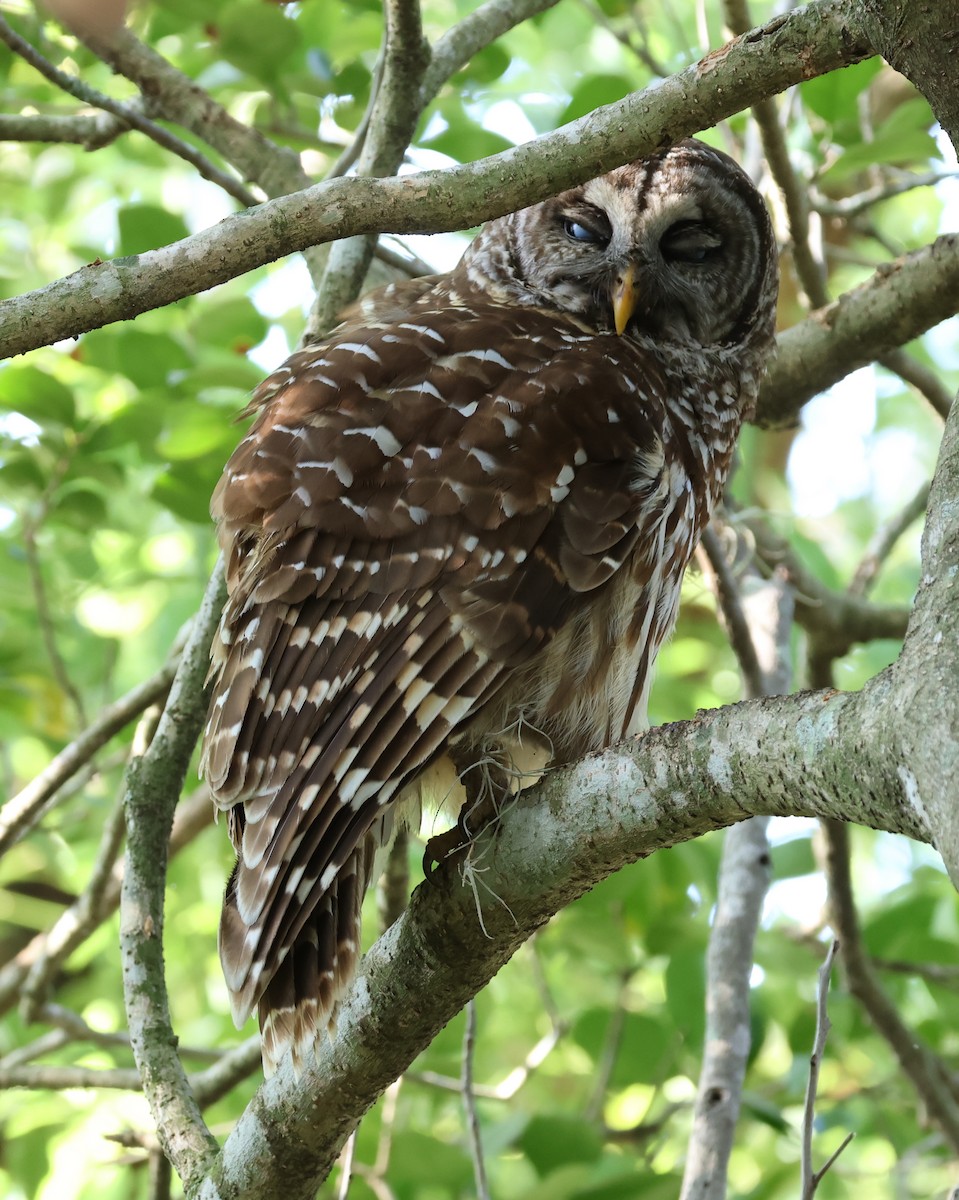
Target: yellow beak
{"x":624,"y":297}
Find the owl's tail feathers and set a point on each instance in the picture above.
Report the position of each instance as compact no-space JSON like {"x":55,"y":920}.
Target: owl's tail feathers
{"x":299,"y":1003}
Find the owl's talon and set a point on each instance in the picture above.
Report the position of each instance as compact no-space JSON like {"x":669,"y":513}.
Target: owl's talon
{"x":445,"y":849}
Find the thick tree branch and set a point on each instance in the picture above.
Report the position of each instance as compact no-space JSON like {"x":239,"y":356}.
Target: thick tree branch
{"x":927,"y":669}
{"x":153,"y":785}
{"x":805,"y":43}
{"x":810,"y":754}
{"x":902,"y":300}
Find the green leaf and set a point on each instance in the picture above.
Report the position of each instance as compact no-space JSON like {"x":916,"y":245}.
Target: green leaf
{"x":185,"y":489}
{"x":763,"y":1110}
{"x":686,"y":993}
{"x":418,"y":1162}
{"x":195,"y":433}
{"x":235,"y":324}
{"x":904,"y":138}
{"x":490,"y":63}
{"x":36,"y":394}
{"x":793,"y":858}
{"x":148,"y":359}
{"x":834,"y":96}
{"x":80,"y":505}
{"x":467,"y":143}
{"x":554,"y":1141}
{"x":257,"y":38}
{"x":137,"y":424}
{"x":642,"y":1049}
{"x":592,"y":93}
{"x":144,"y":227}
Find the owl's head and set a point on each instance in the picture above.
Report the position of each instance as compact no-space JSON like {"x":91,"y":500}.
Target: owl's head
{"x":676,"y":248}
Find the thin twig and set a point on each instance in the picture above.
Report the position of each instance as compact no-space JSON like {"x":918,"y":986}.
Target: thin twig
{"x":129,"y":115}
{"x":850,"y":207}
{"x":469,"y":1105}
{"x":77,"y":1029}
{"x":82,"y":915}
{"x":883,"y":540}
{"x":925,"y":381}
{"x":734,"y":618}
{"x":475,"y":32}
{"x":230,"y":1069}
{"x":927,"y":1072}
{"x":93,"y":131}
{"x":393,"y":889}
{"x":607,"y":1063}
{"x":208,"y":1085}
{"x":345,"y":1164}
{"x":193,"y":815}
{"x":795,"y":198}
{"x":810,"y":1177}
{"x":161,"y":1176}
{"x":834,"y":620}
{"x":22,"y":812}
{"x":44,"y":1077}
{"x":47,"y":1043}
{"x":45,"y":621}
{"x":384,"y":1146}
{"x":656,"y":68}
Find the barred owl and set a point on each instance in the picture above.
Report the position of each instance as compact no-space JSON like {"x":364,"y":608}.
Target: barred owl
{"x":456,"y":531}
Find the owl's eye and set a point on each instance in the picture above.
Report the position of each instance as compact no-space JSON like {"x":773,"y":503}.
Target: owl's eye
{"x":689,"y":242}
{"x":582,"y":233}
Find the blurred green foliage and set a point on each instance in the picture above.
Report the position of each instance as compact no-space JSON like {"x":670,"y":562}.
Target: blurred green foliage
{"x":109,"y":449}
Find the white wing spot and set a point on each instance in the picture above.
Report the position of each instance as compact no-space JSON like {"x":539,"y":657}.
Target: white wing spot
{"x":359,"y":348}
{"x":383,"y":437}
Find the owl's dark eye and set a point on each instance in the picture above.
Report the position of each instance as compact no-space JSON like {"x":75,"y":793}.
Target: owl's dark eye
{"x":583,"y":233}
{"x":689,"y":242}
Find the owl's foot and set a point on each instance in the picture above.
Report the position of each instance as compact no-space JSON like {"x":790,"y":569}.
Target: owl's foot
{"x":453,"y":848}
{"x":445,"y":849}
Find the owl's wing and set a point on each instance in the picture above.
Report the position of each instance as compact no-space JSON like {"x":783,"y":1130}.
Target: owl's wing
{"x":413,"y":515}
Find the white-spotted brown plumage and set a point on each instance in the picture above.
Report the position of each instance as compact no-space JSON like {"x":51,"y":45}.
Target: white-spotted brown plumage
{"x":459,"y":524}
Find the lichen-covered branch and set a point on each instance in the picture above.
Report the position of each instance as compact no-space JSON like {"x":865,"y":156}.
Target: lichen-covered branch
{"x":803,"y":755}
{"x":152,"y":787}
{"x":925,"y":694}
{"x":902,"y":300}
